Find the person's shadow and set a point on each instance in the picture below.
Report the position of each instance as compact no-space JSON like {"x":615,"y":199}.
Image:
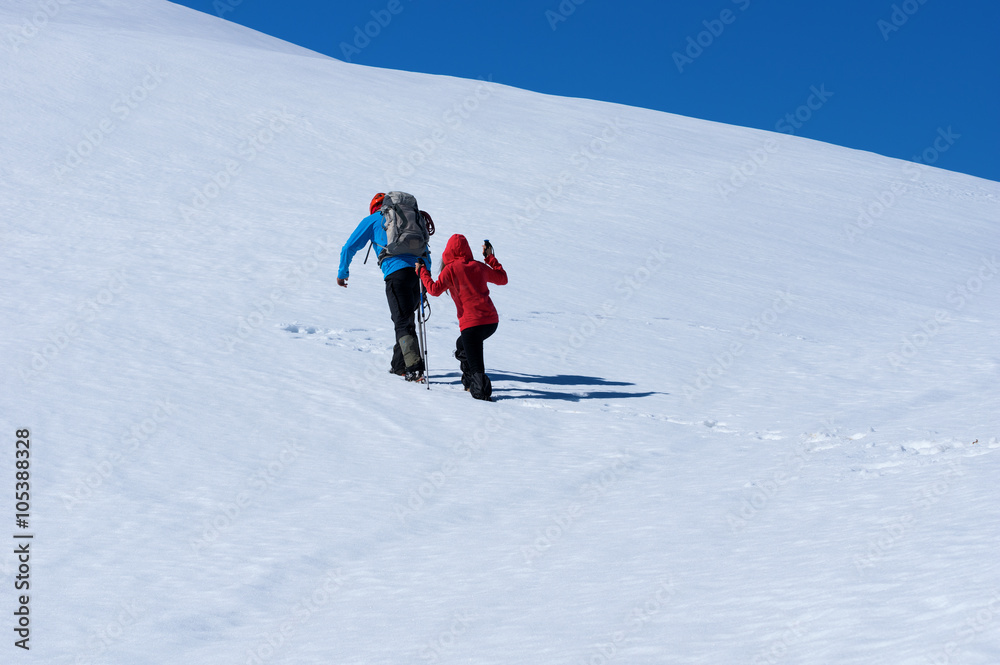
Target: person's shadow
{"x":557,"y":380}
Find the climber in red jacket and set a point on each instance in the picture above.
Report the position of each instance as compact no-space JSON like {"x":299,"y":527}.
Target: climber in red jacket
{"x":466,"y":279}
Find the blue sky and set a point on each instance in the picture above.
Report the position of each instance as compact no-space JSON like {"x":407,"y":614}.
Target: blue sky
{"x":893,"y":76}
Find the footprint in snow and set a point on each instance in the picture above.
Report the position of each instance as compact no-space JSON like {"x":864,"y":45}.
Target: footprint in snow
{"x":300,"y":329}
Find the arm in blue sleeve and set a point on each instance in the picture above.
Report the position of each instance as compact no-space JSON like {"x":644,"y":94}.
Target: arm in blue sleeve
{"x":361,"y":236}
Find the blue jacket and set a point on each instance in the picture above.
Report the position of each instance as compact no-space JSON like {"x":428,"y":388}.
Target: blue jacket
{"x":371,"y":230}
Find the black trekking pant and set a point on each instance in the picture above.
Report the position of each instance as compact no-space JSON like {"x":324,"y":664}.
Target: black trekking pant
{"x":402,"y":290}
{"x":469,"y":352}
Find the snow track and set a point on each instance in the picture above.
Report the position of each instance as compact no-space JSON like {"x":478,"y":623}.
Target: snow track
{"x":757,"y":427}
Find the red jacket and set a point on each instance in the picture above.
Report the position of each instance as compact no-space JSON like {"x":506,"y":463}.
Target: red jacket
{"x":466,"y":279}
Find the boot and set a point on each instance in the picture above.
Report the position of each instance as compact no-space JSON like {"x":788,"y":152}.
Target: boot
{"x":481,"y":387}
{"x":463,"y":365}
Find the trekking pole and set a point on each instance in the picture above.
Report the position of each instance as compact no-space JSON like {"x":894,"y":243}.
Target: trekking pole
{"x":422,"y":320}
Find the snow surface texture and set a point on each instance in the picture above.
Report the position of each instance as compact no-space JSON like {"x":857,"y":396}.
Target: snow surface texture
{"x":736,"y":420}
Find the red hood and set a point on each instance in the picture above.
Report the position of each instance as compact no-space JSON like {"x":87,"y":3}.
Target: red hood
{"x":456,"y":249}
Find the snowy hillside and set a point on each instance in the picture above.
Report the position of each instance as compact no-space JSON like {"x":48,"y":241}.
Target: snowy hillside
{"x":747,"y":384}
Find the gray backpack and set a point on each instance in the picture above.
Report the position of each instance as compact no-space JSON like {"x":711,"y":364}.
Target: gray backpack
{"x":405,"y":227}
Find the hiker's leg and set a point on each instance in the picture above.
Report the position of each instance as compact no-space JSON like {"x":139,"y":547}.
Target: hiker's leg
{"x":479,"y":383}
{"x":463,"y":362}
{"x":472,"y":340}
{"x":403,"y":295}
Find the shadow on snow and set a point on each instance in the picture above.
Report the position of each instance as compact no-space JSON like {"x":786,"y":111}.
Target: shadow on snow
{"x":557,"y":380}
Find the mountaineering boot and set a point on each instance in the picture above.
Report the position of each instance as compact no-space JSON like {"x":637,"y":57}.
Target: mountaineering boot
{"x":481,"y":387}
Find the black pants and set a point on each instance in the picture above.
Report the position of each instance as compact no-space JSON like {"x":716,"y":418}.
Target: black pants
{"x":469,"y":351}
{"x":402,"y":290}
{"x":469,"y":347}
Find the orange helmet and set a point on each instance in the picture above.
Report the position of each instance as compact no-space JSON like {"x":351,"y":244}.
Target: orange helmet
{"x":376,"y":203}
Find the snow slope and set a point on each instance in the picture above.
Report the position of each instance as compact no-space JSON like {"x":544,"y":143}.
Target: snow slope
{"x":740,"y":418}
